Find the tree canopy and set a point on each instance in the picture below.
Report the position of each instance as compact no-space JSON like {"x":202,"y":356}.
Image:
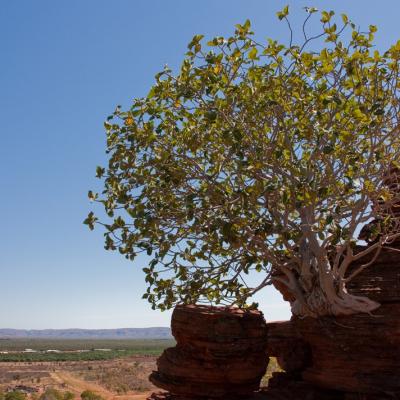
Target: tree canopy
{"x":257,"y":157}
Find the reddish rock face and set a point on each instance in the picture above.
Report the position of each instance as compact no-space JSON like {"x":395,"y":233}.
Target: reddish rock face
{"x":220,"y":353}
{"x":292,"y":352}
{"x":360,"y":353}
{"x":355,"y":354}
{"x":352,"y":354}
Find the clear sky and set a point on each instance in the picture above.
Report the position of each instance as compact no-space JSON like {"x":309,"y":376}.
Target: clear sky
{"x":64,"y":67}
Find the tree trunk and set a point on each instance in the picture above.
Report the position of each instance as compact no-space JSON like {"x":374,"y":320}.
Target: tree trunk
{"x":326,"y":297}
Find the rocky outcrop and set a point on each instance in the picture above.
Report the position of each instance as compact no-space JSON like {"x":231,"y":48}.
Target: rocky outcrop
{"x":358,"y":354}
{"x":220,"y":353}
{"x":283,"y":386}
{"x":380,"y":281}
{"x":291,"y":351}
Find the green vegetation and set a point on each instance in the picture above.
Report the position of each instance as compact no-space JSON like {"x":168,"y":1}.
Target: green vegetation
{"x":84,"y":356}
{"x":83,"y":344}
{"x":54,"y":394}
{"x":15,"y":395}
{"x":273,"y":366}
{"x":258,"y":160}
{"x":89,"y":395}
{"x":69,"y":349}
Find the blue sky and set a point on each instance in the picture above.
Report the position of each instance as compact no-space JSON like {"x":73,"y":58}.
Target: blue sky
{"x":64,"y":67}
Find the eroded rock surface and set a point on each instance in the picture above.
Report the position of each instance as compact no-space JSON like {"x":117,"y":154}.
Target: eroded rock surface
{"x":357,"y":355}
{"x":220,"y":352}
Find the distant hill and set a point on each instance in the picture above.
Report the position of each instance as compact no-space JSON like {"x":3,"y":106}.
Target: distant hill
{"x":121,"y":333}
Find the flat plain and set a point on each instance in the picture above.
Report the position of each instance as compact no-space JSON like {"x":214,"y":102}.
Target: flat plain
{"x":114,"y":369}
{"x":14,"y":350}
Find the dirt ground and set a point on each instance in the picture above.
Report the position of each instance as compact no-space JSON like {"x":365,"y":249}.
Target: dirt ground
{"x":118,"y":379}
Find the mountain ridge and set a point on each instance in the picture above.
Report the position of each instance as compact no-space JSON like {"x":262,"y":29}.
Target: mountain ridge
{"x":78,"y":333}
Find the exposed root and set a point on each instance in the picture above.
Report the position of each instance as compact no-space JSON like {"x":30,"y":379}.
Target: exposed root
{"x":319,"y":304}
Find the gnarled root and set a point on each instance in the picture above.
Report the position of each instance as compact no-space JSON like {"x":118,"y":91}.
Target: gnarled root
{"x":317,"y":304}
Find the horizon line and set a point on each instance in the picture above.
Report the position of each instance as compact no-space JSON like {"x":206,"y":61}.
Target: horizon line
{"x":82,"y":329}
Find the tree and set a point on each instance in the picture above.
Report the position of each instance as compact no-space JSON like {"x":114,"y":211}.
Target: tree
{"x":258,"y":157}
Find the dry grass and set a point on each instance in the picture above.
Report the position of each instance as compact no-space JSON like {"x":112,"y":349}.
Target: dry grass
{"x":111,"y":379}
{"x":272,"y":367}
{"x":118,"y":379}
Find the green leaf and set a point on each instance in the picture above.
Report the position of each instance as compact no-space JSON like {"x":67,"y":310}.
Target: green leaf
{"x":92,"y":196}
{"x":283,"y":13}
{"x":325,"y":17}
{"x":90,"y":220}
{"x":253,"y":54}
{"x":311,"y":10}
{"x":195,"y":41}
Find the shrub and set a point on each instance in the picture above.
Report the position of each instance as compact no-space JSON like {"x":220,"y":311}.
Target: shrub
{"x":15,"y":395}
{"x":89,"y":395}
{"x":54,"y":394}
{"x":68,"y":396}
{"x":51,"y":394}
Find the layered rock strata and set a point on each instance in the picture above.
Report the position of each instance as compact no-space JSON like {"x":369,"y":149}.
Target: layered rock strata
{"x":356,"y":355}
{"x":220,"y":353}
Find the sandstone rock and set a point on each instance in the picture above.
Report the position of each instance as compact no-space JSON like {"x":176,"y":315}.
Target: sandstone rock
{"x":380,"y":281}
{"x":358,"y":354}
{"x":283,"y":386}
{"x":220,"y":352}
{"x":284,"y":343}
{"x":353,"y":354}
